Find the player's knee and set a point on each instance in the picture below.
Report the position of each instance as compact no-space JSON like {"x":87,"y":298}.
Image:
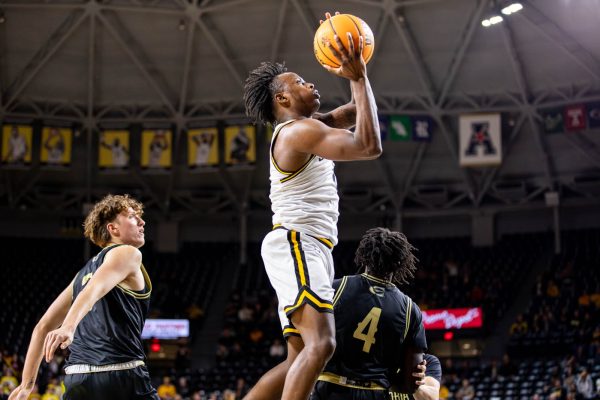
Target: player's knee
{"x":323,"y":348}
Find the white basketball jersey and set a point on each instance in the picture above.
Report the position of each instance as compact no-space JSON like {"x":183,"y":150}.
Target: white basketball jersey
{"x":305,"y":200}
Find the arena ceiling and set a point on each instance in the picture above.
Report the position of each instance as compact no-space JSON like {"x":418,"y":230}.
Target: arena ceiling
{"x":105,"y":63}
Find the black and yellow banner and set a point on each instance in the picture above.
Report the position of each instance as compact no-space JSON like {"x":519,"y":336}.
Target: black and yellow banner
{"x":16,"y":144}
{"x":157,"y":148}
{"x":113,"y":149}
{"x":56,"y":146}
{"x":240,"y":145}
{"x":203,"y":147}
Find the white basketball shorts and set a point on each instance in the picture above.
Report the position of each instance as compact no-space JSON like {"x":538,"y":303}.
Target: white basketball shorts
{"x":300,"y":268}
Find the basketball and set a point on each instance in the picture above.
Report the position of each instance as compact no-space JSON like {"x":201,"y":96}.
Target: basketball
{"x":339,"y":25}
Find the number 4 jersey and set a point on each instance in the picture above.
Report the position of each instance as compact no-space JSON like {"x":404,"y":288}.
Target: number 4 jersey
{"x":374,"y":322}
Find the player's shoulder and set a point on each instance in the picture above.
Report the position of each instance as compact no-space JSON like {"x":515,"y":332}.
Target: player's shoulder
{"x":124,"y":252}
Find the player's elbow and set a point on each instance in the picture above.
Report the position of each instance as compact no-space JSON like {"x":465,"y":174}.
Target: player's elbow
{"x":374,"y":151}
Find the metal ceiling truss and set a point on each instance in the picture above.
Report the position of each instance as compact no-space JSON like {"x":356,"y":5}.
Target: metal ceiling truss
{"x":398,"y":194}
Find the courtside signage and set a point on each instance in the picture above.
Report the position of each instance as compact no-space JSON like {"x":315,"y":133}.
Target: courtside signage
{"x":453,"y":318}
{"x":166,"y":328}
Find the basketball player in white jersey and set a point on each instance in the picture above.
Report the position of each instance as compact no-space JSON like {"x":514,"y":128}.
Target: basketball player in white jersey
{"x":119,"y":152}
{"x":203,"y":143}
{"x":158,"y":144}
{"x":297,"y":252}
{"x":17,"y":147}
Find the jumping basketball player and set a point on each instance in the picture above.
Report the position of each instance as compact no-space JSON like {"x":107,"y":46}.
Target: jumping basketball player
{"x":297,"y":253}
{"x":378,"y":328}
{"x":101,"y":314}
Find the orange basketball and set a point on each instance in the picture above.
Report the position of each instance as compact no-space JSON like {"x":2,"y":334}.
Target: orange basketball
{"x":339,"y":25}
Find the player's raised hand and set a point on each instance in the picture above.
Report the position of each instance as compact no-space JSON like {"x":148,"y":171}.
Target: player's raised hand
{"x":62,"y":337}
{"x":352,"y":65}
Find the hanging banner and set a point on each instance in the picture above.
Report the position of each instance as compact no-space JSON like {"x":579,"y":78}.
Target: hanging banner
{"x":422,"y":126}
{"x":240,"y":145}
{"x":453,"y":318}
{"x":480,"y":140}
{"x":400,"y":128}
{"x":16,"y":145}
{"x":553,"y":120}
{"x":575,"y":118}
{"x":203,"y":147}
{"x":56,"y":146}
{"x":384,"y":126}
{"x":113,"y":150}
{"x":593,"y":115}
{"x":156,"y":149}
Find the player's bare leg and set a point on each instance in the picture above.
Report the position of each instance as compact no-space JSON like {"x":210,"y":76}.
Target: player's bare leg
{"x":318,"y":334}
{"x":270,"y":386}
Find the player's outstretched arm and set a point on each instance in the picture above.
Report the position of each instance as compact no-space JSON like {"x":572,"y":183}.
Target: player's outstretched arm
{"x":52,"y":319}
{"x":118,"y":264}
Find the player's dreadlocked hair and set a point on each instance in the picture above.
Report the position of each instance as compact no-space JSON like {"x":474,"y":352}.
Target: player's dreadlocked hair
{"x":387,"y":255}
{"x":259,"y":89}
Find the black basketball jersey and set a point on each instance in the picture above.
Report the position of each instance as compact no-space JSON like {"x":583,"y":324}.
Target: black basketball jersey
{"x":374,"y":321}
{"x":111,"y":332}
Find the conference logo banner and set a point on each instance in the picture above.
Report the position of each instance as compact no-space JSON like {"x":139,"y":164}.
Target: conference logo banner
{"x":56,"y":146}
{"x":113,"y":150}
{"x":16,"y":145}
{"x":453,"y":318}
{"x":422,"y":127}
{"x":240,"y":145}
{"x":203,"y":148}
{"x":575,"y":118}
{"x":400,"y":128}
{"x":553,"y":120}
{"x":480,"y":140}
{"x":384,"y":126}
{"x":156,"y":149}
{"x":593,"y":115}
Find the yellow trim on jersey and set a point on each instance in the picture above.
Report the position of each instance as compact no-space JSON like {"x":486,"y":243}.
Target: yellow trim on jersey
{"x":408,"y":313}
{"x":325,"y":241}
{"x":301,"y":267}
{"x":378,"y":280}
{"x":311,"y":298}
{"x":277,"y":130}
{"x":139,"y":296}
{"x":288,"y":331}
{"x":342,"y":381}
{"x":302,"y":168}
{"x":338,"y":294}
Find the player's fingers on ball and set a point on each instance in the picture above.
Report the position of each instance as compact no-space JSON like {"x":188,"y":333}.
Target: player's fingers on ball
{"x":328,"y":15}
{"x":334,"y":51}
{"x":341,"y":48}
{"x":361,"y":44}
{"x":337,"y":13}
{"x":350,"y":45}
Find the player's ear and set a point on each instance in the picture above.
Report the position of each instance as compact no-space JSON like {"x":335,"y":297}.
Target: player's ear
{"x":282,"y":99}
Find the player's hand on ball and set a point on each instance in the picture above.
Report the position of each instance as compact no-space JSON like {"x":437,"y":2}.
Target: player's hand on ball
{"x":62,"y":337}
{"x":352,"y":65}
{"x":420,"y":373}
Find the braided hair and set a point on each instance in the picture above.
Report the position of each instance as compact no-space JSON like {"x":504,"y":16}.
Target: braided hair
{"x":386,"y":255}
{"x":259,"y":88}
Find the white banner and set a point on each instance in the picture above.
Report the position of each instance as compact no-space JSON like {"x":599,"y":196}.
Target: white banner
{"x":480,"y":140}
{"x":166,"y":328}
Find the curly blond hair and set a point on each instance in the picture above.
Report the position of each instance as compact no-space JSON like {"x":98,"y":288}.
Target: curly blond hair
{"x":104,"y":212}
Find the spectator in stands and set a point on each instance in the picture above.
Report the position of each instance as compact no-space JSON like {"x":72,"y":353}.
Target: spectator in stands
{"x":183,"y":387}
{"x":167,"y":390}
{"x":246,"y":314}
{"x":552,"y":290}
{"x":466,"y":391}
{"x":444,"y":391}
{"x":584,"y":384}
{"x":507,"y":368}
{"x":8,"y":382}
{"x":520,"y":326}
{"x":276,"y":350}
